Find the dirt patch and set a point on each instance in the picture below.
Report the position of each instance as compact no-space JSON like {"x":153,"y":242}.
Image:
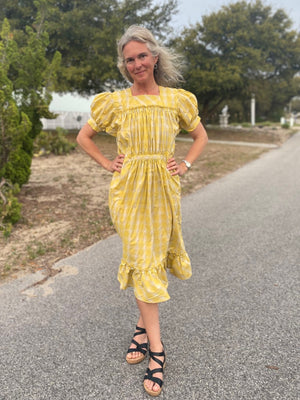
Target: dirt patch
{"x":65,"y":203}
{"x":263,"y":134}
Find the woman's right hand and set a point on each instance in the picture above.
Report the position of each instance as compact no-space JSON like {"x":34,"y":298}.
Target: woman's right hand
{"x":116,"y":164}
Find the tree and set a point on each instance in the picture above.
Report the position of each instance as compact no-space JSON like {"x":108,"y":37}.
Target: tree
{"x":32,"y":74}
{"x":15,"y":125}
{"x":26,"y":80}
{"x":206,"y":74}
{"x":271,"y":97}
{"x":26,"y":77}
{"x":85,"y":33}
{"x":244,"y":48}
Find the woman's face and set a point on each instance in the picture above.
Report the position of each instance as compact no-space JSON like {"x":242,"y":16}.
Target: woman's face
{"x":139,"y":61}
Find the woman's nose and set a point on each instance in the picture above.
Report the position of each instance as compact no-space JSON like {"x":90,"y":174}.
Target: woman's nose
{"x":138,"y":63}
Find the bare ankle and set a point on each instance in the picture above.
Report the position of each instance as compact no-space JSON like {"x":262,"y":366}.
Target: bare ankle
{"x":156,"y":347}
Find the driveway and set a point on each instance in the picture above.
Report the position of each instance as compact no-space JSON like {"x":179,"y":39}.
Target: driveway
{"x":231,"y":331}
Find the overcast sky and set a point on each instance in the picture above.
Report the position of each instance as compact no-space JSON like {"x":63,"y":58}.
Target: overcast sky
{"x":190,"y":12}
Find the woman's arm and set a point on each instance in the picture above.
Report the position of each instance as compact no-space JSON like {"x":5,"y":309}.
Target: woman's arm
{"x":85,"y":141}
{"x":200,"y":138}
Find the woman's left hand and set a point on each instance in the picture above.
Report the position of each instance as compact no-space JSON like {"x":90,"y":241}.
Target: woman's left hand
{"x":176,"y":169}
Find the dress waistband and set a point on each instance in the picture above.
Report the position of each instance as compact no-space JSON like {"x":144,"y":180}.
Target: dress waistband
{"x":147,"y":157}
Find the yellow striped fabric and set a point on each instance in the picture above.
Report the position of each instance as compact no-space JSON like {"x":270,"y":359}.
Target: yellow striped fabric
{"x":144,"y":199}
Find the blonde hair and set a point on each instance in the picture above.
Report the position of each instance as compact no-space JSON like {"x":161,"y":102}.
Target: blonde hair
{"x":167,"y":72}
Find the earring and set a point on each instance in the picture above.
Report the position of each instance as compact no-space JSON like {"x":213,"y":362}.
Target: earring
{"x":155,"y":66}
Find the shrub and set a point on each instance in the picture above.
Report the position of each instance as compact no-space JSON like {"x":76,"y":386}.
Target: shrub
{"x":14,"y":159}
{"x":285,"y":126}
{"x":246,"y":125}
{"x":54,"y":142}
{"x":10,"y":208}
{"x":17,"y":168}
{"x":26,"y":79}
{"x":266,"y":123}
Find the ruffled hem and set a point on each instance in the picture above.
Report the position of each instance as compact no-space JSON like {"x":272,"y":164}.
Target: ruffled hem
{"x":151,"y":284}
{"x":179,"y":265}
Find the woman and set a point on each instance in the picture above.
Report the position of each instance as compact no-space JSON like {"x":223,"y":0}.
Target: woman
{"x":144,"y":197}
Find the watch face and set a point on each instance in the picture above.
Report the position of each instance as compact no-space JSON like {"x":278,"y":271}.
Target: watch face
{"x":188,"y":164}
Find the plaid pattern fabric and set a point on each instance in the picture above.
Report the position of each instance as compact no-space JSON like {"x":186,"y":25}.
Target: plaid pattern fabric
{"x":144,"y":199}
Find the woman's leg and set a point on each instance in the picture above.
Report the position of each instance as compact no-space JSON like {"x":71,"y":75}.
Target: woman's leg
{"x":142,"y":338}
{"x":150,"y":317}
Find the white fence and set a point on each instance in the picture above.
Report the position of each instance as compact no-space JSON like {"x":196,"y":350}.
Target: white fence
{"x":66,"y":120}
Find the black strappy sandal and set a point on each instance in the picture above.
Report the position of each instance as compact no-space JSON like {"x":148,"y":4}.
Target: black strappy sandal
{"x":140,"y":347}
{"x":150,"y":372}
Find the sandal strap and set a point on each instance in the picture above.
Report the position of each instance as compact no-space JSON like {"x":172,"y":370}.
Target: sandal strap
{"x":141,"y":331}
{"x":150,"y":372}
{"x":140,"y":347}
{"x":149,"y":376}
{"x":153,"y":355}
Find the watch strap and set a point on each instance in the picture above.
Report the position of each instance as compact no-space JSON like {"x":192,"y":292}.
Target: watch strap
{"x":188,"y":164}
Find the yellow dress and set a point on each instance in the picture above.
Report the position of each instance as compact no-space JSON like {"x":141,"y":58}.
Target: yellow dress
{"x":144,"y":199}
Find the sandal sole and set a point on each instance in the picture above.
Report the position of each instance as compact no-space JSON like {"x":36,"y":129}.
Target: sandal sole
{"x":137,"y":360}
{"x":152,"y":393}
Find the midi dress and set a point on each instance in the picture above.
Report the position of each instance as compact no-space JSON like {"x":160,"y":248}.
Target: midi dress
{"x":144,"y":198}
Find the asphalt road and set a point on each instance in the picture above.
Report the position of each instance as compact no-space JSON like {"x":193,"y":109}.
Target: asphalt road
{"x":231,"y":331}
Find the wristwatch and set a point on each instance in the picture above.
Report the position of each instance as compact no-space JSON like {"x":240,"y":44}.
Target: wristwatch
{"x":188,"y":164}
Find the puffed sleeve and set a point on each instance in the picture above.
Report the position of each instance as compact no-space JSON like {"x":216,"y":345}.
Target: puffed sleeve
{"x":104,"y":114}
{"x":188,"y":110}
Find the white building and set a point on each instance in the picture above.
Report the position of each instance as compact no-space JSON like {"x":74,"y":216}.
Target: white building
{"x":66,"y":120}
